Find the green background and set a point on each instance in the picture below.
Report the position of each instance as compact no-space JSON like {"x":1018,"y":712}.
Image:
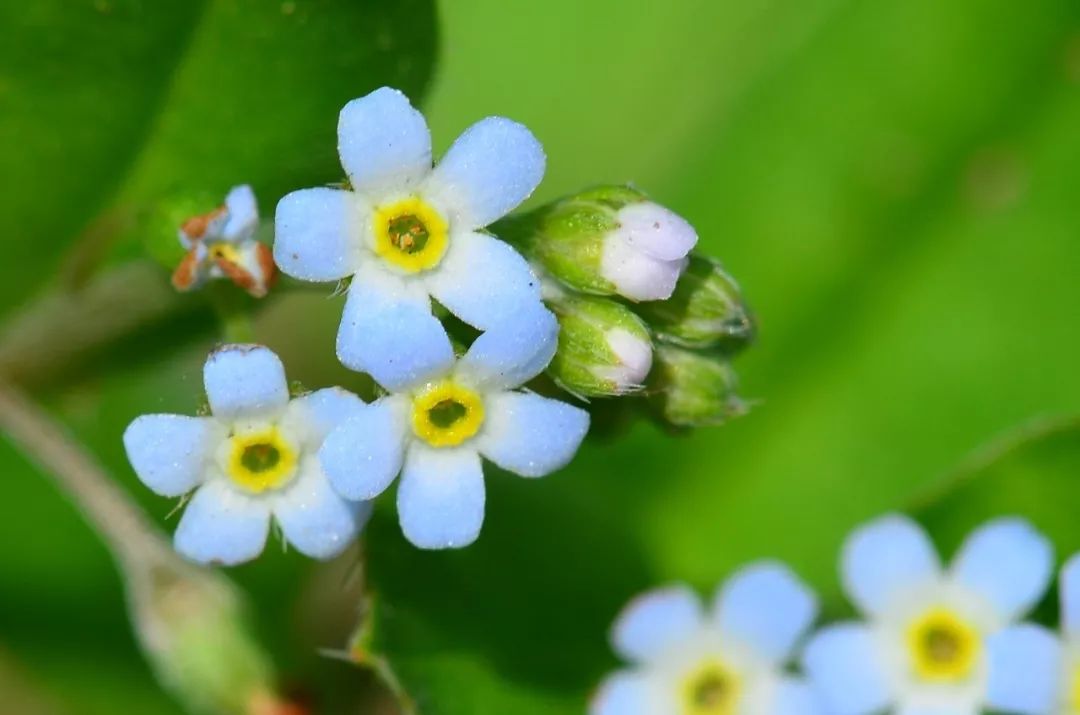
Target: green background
{"x":895,"y":184}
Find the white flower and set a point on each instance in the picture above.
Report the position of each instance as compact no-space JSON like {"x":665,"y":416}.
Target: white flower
{"x":407,"y":233}
{"x":221,"y":244}
{"x":644,"y":257}
{"x":923,"y":650}
{"x":729,"y":661}
{"x":435,"y":430}
{"x":253,"y":459}
{"x":1040,"y":672}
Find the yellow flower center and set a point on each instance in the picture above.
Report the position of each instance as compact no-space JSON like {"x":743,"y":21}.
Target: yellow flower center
{"x":446,"y":414}
{"x":221,"y":249}
{"x":258,"y":461}
{"x":944,"y":648}
{"x":410,"y":234}
{"x":1074,"y":689}
{"x":712,"y":690}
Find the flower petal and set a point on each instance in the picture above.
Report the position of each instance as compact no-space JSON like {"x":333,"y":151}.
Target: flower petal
{"x":1070,"y":595}
{"x":316,"y":414}
{"x":441,"y":497}
{"x":1024,"y":670}
{"x":245,"y":381}
{"x":317,"y":234}
{"x":314,"y":519}
{"x":384,"y":143}
{"x":885,"y":560}
{"x":484,"y":281}
{"x":656,"y":231}
{"x":947,"y":707}
{"x":364,"y":454}
{"x":1007,"y":562}
{"x":794,"y":696}
{"x":655,"y":621}
{"x":222,"y":526}
{"x":847,"y":668}
{"x":491,"y":168}
{"x":169,"y":452}
{"x":637,"y":275}
{"x":766,"y":608}
{"x":511,"y":354}
{"x":530,"y":435}
{"x":388,"y":331}
{"x":243,"y":213}
{"x":623,"y":693}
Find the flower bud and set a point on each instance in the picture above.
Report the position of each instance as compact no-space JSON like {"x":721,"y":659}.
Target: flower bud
{"x":705,"y":311}
{"x":691,"y":389}
{"x":607,"y":241}
{"x":604,"y":349}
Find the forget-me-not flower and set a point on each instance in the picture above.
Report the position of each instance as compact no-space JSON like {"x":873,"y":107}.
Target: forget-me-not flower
{"x":435,"y":430}
{"x":729,"y":661}
{"x":221,"y":244}
{"x":407,"y":233}
{"x":253,"y":459}
{"x":923,"y":648}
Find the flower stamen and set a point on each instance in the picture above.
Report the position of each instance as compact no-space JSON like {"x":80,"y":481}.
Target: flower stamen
{"x":711,"y":690}
{"x":446,"y":414}
{"x":943,"y":647}
{"x":260,"y":461}
{"x":410,"y":234}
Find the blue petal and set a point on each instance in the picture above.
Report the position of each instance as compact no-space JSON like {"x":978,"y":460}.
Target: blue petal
{"x":243,"y":213}
{"x":364,"y":454}
{"x":794,"y":696}
{"x":1008,"y":563}
{"x":388,"y":331}
{"x":511,"y":354}
{"x":317,"y":234}
{"x":767,"y":608}
{"x":169,"y":453}
{"x":1025,"y":668}
{"x":316,"y":414}
{"x":484,"y":281}
{"x":384,"y":142}
{"x":846,"y":667}
{"x":222,"y":526}
{"x":491,"y":168}
{"x":531,"y":435}
{"x":245,"y":381}
{"x":885,"y":560}
{"x":441,"y":497}
{"x":1070,"y":595}
{"x":314,"y":519}
{"x":655,"y":621}
{"x":623,"y":693}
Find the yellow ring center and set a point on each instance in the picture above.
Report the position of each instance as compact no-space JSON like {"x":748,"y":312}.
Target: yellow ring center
{"x":944,"y":648}
{"x":262,"y":460}
{"x":410,"y":234}
{"x":711,"y":690}
{"x":446,"y":414}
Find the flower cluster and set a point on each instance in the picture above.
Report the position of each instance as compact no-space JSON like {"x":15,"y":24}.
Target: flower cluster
{"x":404,"y":233}
{"x":935,"y":640}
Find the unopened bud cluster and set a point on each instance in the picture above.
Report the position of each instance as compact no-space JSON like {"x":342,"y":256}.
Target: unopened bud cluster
{"x":639,"y":311}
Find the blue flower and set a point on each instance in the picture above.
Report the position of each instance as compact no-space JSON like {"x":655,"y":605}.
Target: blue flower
{"x":253,"y":459}
{"x":729,"y":661}
{"x":406,"y":233}
{"x":923,"y":648}
{"x":434,"y":430}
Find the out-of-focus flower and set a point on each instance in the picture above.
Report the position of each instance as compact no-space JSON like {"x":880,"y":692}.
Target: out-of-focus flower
{"x":604,"y":349}
{"x":924,"y":646}
{"x":221,"y":244}
{"x":407,"y":233}
{"x":253,"y":459}
{"x":692,"y":389}
{"x":729,"y":661}
{"x":435,"y":430}
{"x":608,"y":241}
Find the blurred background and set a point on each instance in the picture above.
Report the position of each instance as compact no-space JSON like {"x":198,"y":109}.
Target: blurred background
{"x":894,"y":183}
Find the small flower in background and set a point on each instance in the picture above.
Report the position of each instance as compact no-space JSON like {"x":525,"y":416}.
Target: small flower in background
{"x":608,"y":241}
{"x":730,"y":661}
{"x":1039,"y":671}
{"x":406,"y":233}
{"x":604,"y":348}
{"x":254,"y":459}
{"x":221,"y":244}
{"x":434,"y":431}
{"x":924,"y":646}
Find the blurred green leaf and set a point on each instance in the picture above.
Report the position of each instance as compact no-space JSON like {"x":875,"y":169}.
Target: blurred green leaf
{"x":107,"y":105}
